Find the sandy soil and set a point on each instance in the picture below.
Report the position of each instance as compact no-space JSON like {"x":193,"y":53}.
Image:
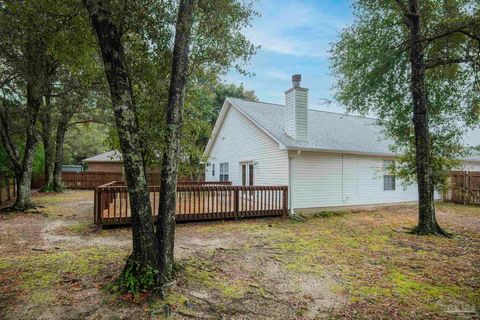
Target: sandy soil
{"x":55,"y":264}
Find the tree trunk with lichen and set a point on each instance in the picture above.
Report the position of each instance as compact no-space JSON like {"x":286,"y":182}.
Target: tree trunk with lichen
{"x":48,"y":144}
{"x":35,"y":75}
{"x":427,"y":223}
{"x":23,"y":172}
{"x":144,"y":256}
{"x":66,"y":115}
{"x":167,"y":201}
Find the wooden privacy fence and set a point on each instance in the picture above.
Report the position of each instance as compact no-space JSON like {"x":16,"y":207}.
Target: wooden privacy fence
{"x":464,"y":187}
{"x":8,"y":191}
{"x":91,"y":180}
{"x":195,"y":202}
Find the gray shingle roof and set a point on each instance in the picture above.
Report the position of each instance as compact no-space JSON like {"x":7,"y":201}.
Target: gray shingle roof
{"x":109,"y":156}
{"x":327,"y":131}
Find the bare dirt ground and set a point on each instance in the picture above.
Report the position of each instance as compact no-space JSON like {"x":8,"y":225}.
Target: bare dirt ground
{"x":55,"y":264}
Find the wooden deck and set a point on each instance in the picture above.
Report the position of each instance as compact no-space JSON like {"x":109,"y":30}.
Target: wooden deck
{"x":202,"y":202}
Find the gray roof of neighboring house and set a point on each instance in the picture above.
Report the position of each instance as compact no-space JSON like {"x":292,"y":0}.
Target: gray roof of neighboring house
{"x":473,"y":156}
{"x":327,"y":131}
{"x":109,"y":156}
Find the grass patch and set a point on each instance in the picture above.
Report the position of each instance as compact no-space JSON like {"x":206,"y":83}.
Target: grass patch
{"x":201,"y":273}
{"x":38,"y":275}
{"x":328,"y":214}
{"x":81,"y":227}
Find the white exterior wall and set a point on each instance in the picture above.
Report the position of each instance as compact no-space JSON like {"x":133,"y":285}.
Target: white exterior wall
{"x":240,"y":140}
{"x":471,"y":166}
{"x":324,"y":180}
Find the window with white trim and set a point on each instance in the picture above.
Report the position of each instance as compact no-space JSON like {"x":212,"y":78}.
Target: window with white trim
{"x":213,"y":169}
{"x":388,"y":177}
{"x":224,"y":171}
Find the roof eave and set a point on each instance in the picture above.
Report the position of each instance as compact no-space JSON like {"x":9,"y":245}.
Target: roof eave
{"x":324,"y":150}
{"x":216,"y":128}
{"x":106,"y":161}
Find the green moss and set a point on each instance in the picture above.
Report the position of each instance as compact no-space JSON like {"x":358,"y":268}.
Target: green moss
{"x":5,"y":264}
{"x":305,"y":264}
{"x":370,"y":291}
{"x":46,"y":296}
{"x":80,"y":227}
{"x":407,"y":285}
{"x":327,"y":214}
{"x":199,"y":272}
{"x":38,"y":274}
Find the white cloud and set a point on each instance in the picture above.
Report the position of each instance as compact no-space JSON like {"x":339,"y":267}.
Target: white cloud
{"x":294,"y":28}
{"x":275,"y":74}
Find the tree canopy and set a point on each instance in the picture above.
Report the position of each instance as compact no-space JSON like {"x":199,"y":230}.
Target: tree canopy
{"x":372,"y":64}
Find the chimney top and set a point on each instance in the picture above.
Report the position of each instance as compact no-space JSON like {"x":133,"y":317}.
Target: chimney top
{"x":296,"y":78}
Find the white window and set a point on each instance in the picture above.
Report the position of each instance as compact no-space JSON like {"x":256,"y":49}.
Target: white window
{"x":213,"y":170}
{"x":388,"y":177}
{"x":224,"y":171}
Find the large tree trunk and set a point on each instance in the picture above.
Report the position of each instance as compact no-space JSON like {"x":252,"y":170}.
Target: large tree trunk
{"x":427,"y":223}
{"x":24,"y":173}
{"x":35,"y":75}
{"x":59,"y":141}
{"x":166,"y":214}
{"x":144,"y":256}
{"x":48,"y":144}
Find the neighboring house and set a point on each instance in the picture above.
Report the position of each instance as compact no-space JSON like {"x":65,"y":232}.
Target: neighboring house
{"x":110,"y":161}
{"x":326,"y":159}
{"x":72,"y":168}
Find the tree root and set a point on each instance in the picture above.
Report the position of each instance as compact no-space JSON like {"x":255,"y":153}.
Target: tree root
{"x":435,"y":231}
{"x":24,"y":208}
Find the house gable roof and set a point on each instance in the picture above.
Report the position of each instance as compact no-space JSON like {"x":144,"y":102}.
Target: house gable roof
{"x":327,"y":131}
{"x":109,"y":156}
{"x":218,"y":124}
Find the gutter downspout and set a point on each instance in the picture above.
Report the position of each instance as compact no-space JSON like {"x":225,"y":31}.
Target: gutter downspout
{"x":290,"y":188}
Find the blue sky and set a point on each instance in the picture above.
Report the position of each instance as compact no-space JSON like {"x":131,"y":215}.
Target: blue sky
{"x":295,"y":37}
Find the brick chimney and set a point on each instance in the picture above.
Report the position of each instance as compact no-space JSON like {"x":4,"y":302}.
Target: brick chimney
{"x":296,"y":110}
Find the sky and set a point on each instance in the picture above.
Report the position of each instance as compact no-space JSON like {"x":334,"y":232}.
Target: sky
{"x":295,"y":37}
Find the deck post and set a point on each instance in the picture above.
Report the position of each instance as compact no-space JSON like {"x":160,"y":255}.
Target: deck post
{"x":285,"y":202}
{"x":99,"y":206}
{"x":236,"y":201}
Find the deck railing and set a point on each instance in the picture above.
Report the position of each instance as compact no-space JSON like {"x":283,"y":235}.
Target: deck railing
{"x":195,"y":202}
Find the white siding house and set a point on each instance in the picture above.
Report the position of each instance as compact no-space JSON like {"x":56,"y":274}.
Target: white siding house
{"x":326,"y":159}
{"x":239,"y":142}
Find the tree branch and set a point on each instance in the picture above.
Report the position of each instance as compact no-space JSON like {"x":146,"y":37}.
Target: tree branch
{"x":455,"y":29}
{"x":406,"y":12}
{"x":88,"y":121}
{"x":402,"y":5}
{"x":8,"y":79}
{"x":445,"y":62}
{"x":470,"y":35}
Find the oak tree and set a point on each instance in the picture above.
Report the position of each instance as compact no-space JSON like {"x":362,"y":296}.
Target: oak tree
{"x":415,"y":65}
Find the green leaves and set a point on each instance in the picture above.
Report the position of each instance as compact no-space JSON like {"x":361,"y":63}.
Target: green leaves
{"x":372,"y":67}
